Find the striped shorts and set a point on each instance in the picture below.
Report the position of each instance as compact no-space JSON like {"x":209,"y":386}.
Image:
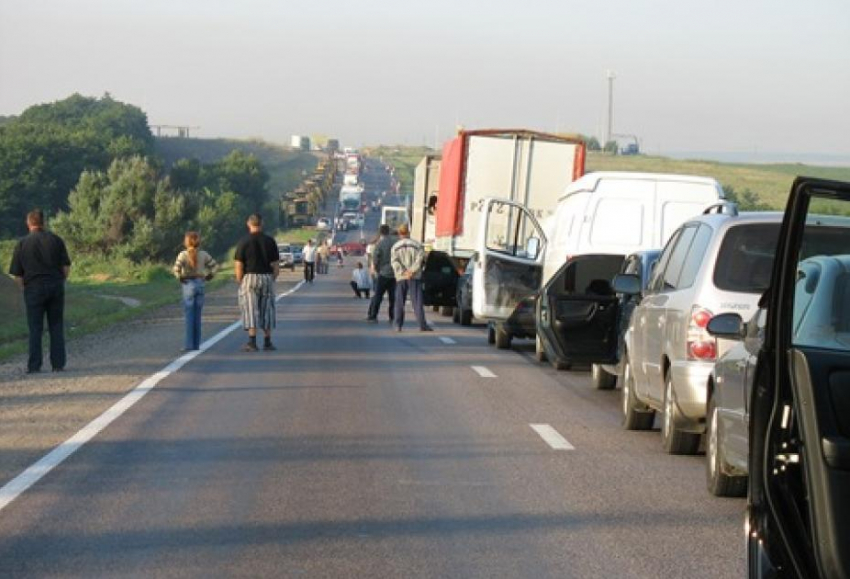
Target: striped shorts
{"x":256,"y":301}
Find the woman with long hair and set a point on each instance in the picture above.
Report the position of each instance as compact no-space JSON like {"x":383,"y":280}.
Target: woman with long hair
{"x":193,"y":268}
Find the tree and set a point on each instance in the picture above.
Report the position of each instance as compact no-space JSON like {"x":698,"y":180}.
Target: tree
{"x":611,"y":147}
{"x":747,"y":200}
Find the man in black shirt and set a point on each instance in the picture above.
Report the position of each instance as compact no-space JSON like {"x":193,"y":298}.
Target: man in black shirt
{"x":257,"y":263}
{"x":41,"y":265}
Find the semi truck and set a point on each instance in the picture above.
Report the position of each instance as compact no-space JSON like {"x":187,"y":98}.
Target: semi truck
{"x":350,"y":197}
{"x":526,"y":167}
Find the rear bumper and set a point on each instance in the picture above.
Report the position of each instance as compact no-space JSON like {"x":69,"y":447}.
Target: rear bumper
{"x":690,"y":385}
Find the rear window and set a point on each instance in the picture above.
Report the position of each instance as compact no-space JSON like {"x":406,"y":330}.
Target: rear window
{"x":745,"y":260}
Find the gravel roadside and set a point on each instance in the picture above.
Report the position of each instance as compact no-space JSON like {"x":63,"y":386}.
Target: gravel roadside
{"x":38,"y":412}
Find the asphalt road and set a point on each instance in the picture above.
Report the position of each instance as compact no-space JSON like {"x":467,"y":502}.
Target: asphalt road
{"x":356,"y":451}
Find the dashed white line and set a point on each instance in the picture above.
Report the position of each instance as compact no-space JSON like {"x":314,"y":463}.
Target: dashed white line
{"x":483,"y":371}
{"x":552,"y":437}
{"x":18,"y":485}
{"x":447,"y":340}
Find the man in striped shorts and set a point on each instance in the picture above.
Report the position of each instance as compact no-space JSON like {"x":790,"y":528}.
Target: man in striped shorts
{"x":257,"y":267}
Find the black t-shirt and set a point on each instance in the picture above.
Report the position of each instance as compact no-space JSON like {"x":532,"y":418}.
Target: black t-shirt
{"x":257,"y":251}
{"x":40,"y":256}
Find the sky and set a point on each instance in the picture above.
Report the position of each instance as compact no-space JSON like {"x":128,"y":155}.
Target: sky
{"x":736,"y":76}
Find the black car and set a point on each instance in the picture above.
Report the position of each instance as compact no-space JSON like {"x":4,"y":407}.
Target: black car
{"x":798,"y":512}
{"x":439,"y":279}
{"x":520,"y":324}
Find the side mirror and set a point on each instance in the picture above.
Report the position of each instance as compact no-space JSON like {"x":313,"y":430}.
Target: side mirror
{"x":532,"y":247}
{"x":627,"y":284}
{"x":728,"y":326}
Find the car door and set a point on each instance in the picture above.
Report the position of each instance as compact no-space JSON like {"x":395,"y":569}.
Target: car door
{"x":799,"y":503}
{"x":510,"y":259}
{"x":578,"y":313}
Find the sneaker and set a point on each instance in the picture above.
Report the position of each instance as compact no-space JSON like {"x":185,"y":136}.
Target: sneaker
{"x":269,"y":347}
{"x":427,"y":329}
{"x":250,"y":347}
{"x":372,"y":320}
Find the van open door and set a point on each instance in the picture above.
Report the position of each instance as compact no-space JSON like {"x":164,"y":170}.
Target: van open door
{"x":799,"y":500}
{"x":510,"y":259}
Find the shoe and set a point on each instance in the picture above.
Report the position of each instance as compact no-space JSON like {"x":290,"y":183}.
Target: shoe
{"x":269,"y":347}
{"x":398,"y":328}
{"x":372,"y":320}
{"x":60,"y":369}
{"x":426,"y":329}
{"x":33,"y":370}
{"x":249,"y":347}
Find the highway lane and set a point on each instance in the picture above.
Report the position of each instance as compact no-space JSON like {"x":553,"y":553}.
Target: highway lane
{"x":354,"y":451}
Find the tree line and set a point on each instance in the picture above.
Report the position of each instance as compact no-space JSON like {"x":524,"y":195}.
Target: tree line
{"x":90,"y":164}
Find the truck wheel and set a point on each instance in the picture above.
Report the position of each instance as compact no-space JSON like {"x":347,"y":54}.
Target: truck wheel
{"x":465,"y":316}
{"x":456,"y":316}
{"x":446,"y":310}
{"x":718,"y":482}
{"x":491,"y":334}
{"x":601,"y":379}
{"x":635,"y":415}
{"x":503,"y":338}
{"x":539,"y":351}
{"x":673,"y":440}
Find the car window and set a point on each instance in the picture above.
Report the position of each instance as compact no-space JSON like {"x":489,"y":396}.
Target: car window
{"x":696,"y":257}
{"x":677,"y":259}
{"x":745,"y":260}
{"x":632,"y":265}
{"x":590,"y":275}
{"x":657,"y":277}
{"x":509,"y":229}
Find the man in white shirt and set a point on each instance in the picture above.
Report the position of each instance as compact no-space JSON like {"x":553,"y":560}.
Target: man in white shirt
{"x":309,"y":255}
{"x":361,"y":283}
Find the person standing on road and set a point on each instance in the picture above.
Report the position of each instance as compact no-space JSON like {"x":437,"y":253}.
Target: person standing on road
{"x":408,"y":258}
{"x":360,"y":281}
{"x":339,"y":258}
{"x":382,"y":269}
{"x":257,"y":264}
{"x":40,"y":265}
{"x":309,"y":254}
{"x":322,"y":260}
{"x":193,"y":268}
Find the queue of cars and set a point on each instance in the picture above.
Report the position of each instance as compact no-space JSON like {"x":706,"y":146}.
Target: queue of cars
{"x":737,"y":333}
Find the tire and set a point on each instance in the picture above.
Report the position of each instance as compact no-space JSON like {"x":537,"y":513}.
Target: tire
{"x":601,"y":379}
{"x":503,"y":338}
{"x":446,"y":310}
{"x":673,"y":440}
{"x":465,"y":316}
{"x":717,"y":481}
{"x":539,"y":351}
{"x":456,"y":316}
{"x":635,"y":415}
{"x":491,"y":334}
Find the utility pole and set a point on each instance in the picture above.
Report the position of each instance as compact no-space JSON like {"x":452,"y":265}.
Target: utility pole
{"x":610,"y":132}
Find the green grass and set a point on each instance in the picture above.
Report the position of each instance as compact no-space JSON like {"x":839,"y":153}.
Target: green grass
{"x":299,"y":235}
{"x":404,"y":159}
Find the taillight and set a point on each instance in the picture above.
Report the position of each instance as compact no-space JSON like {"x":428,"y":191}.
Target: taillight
{"x":701,"y":345}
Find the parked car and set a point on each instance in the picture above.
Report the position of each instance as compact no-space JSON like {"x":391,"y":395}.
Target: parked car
{"x":719,"y":262}
{"x":520,"y":324}
{"x":297,"y":253}
{"x":323,"y":224}
{"x":463,"y":311}
{"x":798,"y":511}
{"x":286,"y":257}
{"x":640,"y":263}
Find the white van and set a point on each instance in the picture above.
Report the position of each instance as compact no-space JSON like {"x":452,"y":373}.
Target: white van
{"x":605,"y":213}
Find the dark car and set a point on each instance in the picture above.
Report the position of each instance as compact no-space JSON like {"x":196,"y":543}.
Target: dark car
{"x":640,"y":264}
{"x":439,"y":279}
{"x":463,"y":310}
{"x":798,"y":515}
{"x":520,"y":324}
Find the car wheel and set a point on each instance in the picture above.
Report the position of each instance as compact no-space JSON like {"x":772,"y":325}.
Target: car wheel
{"x":503,"y":338}
{"x":539,"y":351}
{"x":635,"y":415}
{"x":719,"y":483}
{"x":674,"y":440}
{"x":601,"y":379}
{"x":465,"y":316}
{"x":491,"y":334}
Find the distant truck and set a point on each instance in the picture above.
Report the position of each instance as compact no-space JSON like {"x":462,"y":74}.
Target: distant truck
{"x":395,"y":217}
{"x":350,"y":197}
{"x":527,"y":167}
{"x":350,"y":179}
{"x":426,"y":190}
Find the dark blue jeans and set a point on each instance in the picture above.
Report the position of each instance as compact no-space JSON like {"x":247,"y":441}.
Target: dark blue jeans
{"x":46,"y":298}
{"x":193,"y":303}
{"x":383,"y":285}
{"x":403,"y":287}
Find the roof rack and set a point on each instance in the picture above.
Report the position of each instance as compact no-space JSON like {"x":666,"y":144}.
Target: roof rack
{"x":723,"y":207}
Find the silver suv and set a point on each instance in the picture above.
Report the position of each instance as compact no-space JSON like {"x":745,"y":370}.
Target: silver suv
{"x":716,"y":263}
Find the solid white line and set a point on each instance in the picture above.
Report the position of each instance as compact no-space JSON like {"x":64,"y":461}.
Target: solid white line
{"x":552,"y":437}
{"x":18,"y":485}
{"x":447,"y":340}
{"x":483,"y":371}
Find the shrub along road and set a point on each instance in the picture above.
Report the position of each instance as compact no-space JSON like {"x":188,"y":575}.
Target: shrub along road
{"x":357,"y":451}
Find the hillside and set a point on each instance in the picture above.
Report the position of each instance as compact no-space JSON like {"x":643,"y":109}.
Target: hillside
{"x":285,"y":166}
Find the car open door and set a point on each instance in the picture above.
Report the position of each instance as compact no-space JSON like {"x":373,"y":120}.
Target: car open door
{"x":510,"y":259}
{"x":799,"y":502}
{"x":578,"y":311}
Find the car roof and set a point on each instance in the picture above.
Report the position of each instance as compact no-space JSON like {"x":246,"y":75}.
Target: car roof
{"x":721,"y":220}
{"x":589,"y":181}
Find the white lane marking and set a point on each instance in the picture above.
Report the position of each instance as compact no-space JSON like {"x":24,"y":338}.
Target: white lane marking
{"x":447,"y":340}
{"x":483,"y":371}
{"x":552,"y":437}
{"x":18,"y":485}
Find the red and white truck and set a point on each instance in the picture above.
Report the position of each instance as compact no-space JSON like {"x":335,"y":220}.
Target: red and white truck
{"x":527,"y":167}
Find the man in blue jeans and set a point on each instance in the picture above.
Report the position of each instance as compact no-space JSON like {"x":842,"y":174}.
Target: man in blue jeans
{"x":408,"y":258}
{"x":41,"y":265}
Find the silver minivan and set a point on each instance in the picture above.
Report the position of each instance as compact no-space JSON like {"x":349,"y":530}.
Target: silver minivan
{"x":718,"y":262}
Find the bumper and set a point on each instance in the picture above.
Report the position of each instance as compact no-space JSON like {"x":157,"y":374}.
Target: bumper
{"x":690,"y":384}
